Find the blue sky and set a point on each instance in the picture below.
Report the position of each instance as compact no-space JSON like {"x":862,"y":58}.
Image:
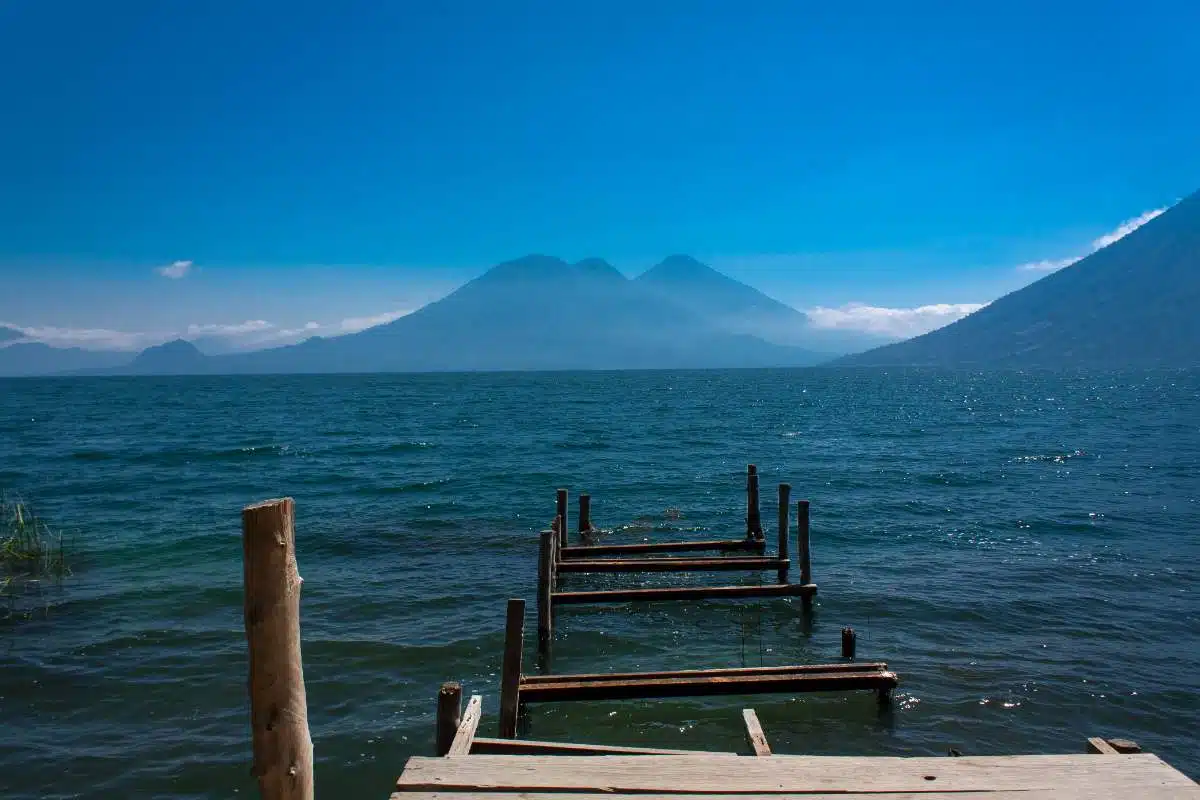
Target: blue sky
{"x":326,"y":165}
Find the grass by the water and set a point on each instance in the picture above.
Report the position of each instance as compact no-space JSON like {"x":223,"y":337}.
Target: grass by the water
{"x":29,"y":549}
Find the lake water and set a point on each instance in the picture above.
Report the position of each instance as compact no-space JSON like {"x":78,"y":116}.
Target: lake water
{"x":1022,"y":549}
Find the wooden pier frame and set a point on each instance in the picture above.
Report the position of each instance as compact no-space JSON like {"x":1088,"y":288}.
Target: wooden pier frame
{"x":517,"y":689}
{"x":561,"y":515}
{"x":754,"y":733}
{"x":718,"y":564}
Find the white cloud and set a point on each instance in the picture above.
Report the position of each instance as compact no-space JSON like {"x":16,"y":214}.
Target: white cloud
{"x":88,"y":338}
{"x":1048,"y":265}
{"x":239,"y":329}
{"x":1120,"y":232}
{"x":900,"y":323}
{"x":356,"y":324}
{"x":1127,"y":227}
{"x":175,"y":270}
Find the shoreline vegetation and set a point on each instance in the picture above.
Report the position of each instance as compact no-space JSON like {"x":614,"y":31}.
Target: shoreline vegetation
{"x":30,"y":552}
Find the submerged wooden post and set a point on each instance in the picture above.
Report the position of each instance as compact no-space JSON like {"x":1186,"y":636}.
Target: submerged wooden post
{"x":849,"y":642}
{"x":585,"y":513}
{"x":545,"y":581}
{"x":510,"y":669}
{"x":785,"y":493}
{"x":753,"y":517}
{"x":283,"y":751}
{"x":449,"y":715}
{"x":561,"y":513}
{"x":802,"y":551}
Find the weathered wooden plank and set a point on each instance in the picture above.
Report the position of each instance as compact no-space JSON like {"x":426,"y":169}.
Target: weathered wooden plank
{"x":498,"y":747}
{"x":754,"y":732}
{"x":684,"y":593}
{"x":785,"y":492}
{"x":545,"y":579}
{"x":637,"y":548}
{"x":510,"y":670}
{"x":568,"y":690}
{"x":465,"y":736}
{"x":1141,"y":776}
{"x":1100,"y":747}
{"x":1020,"y":794}
{"x":561,"y":513}
{"x":673,"y":564}
{"x":857,"y":666}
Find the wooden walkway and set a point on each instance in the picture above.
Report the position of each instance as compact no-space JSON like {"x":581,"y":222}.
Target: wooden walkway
{"x":714,"y":776}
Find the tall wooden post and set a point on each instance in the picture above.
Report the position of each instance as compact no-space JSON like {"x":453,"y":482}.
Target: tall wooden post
{"x":585,"y":513}
{"x":510,"y":669}
{"x":802,"y":549}
{"x":849,"y":643}
{"x":283,"y":751}
{"x":561,"y":513}
{"x":449,"y":715}
{"x":753,"y":517}
{"x":785,"y":493}
{"x":545,"y":579}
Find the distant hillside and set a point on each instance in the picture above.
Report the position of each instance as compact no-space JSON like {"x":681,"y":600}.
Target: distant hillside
{"x":736,"y":307}
{"x":536,"y":312}
{"x":34,"y":358}
{"x":1134,"y":303}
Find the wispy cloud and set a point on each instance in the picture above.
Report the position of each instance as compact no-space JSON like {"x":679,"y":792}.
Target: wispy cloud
{"x":238,"y":329}
{"x":1115,"y":235}
{"x":356,"y":324}
{"x":175,"y":270}
{"x":899,"y":323}
{"x":88,"y":338}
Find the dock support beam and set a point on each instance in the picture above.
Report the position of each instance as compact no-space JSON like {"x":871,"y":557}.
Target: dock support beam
{"x":449,"y":715}
{"x":785,"y":493}
{"x":849,"y":643}
{"x":545,"y":612}
{"x":585,"y":514}
{"x":561,"y":513}
{"x":802,"y":546}
{"x":753,"y":517}
{"x":510,"y":669}
{"x":283,"y":751}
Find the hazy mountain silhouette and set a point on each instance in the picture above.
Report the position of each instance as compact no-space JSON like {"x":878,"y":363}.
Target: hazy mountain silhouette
{"x":178,"y":357}
{"x":1134,"y":303}
{"x":34,"y":358}
{"x":536,"y":312}
{"x":739,"y":308}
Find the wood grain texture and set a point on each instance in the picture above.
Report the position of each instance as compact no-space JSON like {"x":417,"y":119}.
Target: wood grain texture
{"x":465,"y":736}
{"x":1098,"y":746}
{"x":283,"y":750}
{"x":497,"y":747}
{"x":567,"y":690}
{"x":1034,"y":794}
{"x":510,"y":669}
{"x":754,"y":732}
{"x":1140,"y":776}
{"x":857,"y":666}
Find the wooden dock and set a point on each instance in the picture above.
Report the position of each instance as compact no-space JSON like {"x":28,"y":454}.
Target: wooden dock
{"x":712,"y":776}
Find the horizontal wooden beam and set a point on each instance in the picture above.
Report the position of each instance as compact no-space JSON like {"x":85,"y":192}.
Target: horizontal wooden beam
{"x":718,"y":564}
{"x":525,"y":747}
{"x":683,"y":593}
{"x":864,"y":666}
{"x":706,"y":687}
{"x":585,"y":551}
{"x":1100,"y":747}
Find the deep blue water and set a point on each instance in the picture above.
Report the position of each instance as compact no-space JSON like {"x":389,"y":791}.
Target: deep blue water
{"x":1021,"y":548}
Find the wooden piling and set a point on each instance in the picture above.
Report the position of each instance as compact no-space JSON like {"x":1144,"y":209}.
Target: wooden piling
{"x":510,"y":670}
{"x":849,"y":642}
{"x":283,"y":751}
{"x":545,"y":588}
{"x":802,"y":548}
{"x":585,"y":514}
{"x":753,"y":517}
{"x":464,"y":738}
{"x":561,"y":513}
{"x":785,"y":492}
{"x":449,"y":715}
